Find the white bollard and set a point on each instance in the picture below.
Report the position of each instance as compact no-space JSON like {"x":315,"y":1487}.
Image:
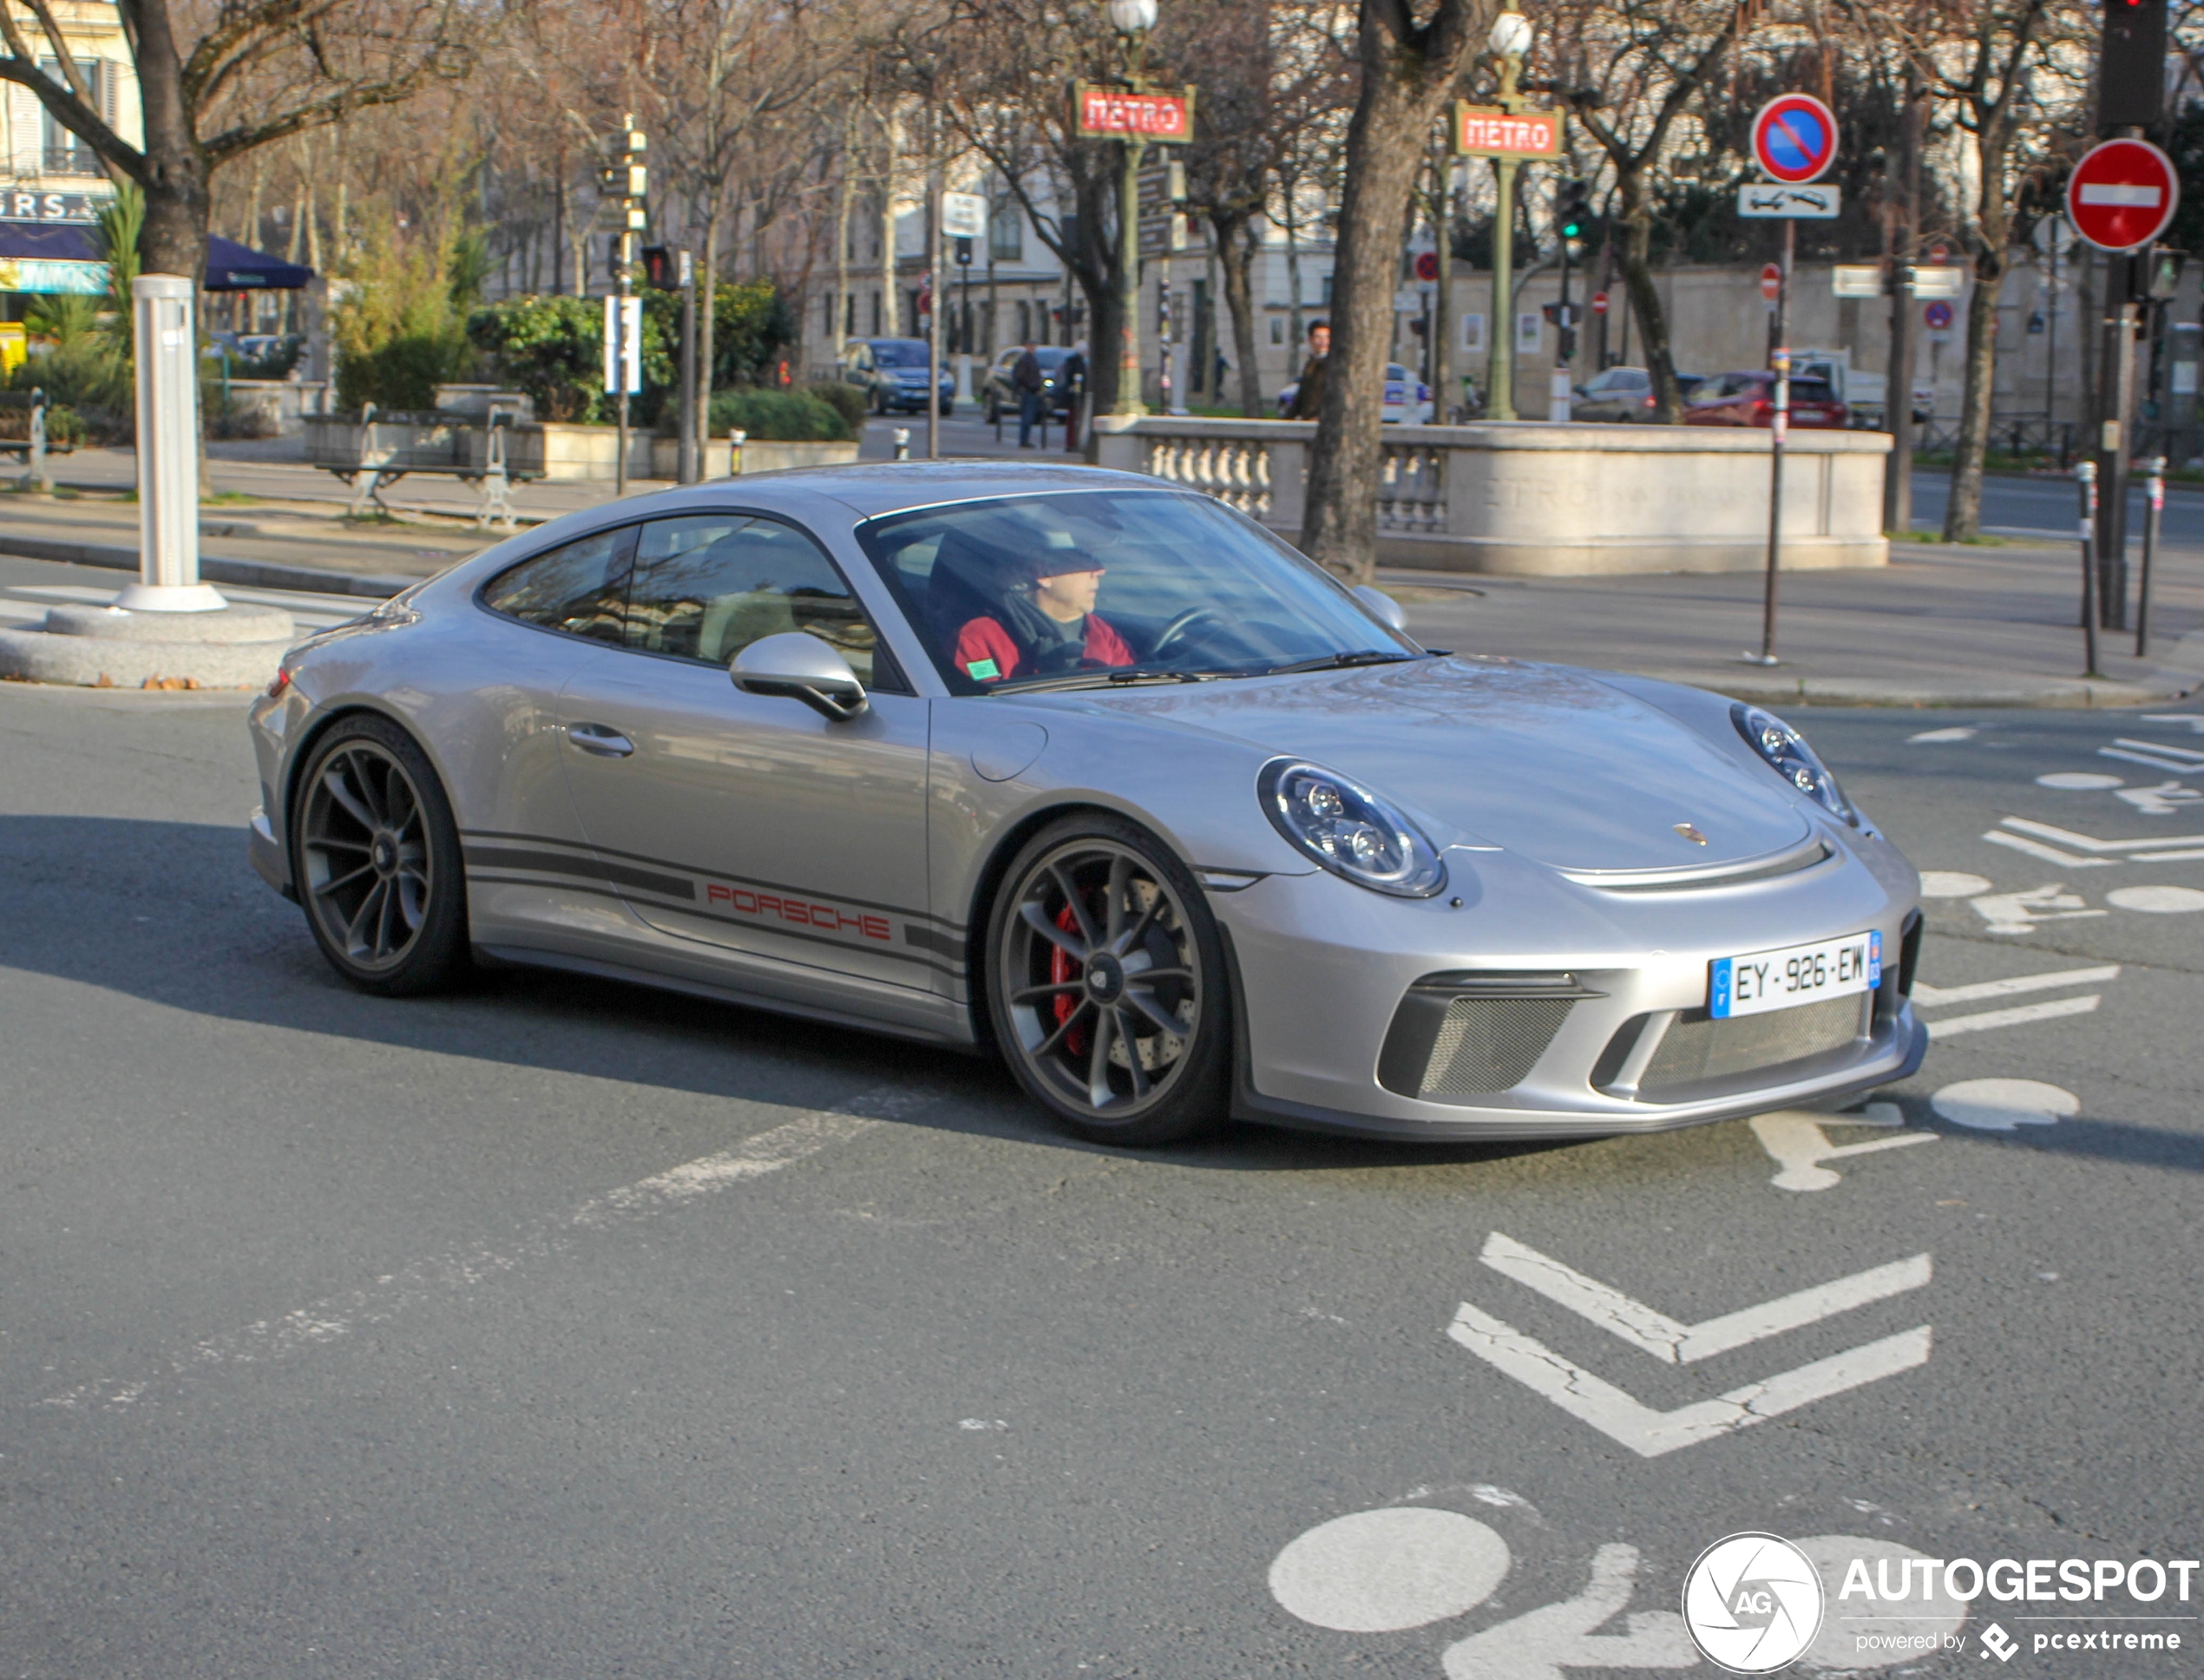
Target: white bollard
{"x":168,"y":357}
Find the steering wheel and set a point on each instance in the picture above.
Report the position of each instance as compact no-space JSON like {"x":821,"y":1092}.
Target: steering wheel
{"x":1175,"y":631}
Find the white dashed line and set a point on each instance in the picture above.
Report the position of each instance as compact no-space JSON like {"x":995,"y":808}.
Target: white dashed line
{"x":336,"y":1317}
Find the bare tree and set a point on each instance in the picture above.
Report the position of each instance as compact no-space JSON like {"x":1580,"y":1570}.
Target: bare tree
{"x":1408,"y":71}
{"x":261,"y":70}
{"x":1627,"y":70}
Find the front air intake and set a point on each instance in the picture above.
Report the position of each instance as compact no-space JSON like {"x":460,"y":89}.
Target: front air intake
{"x":1473,"y":1035}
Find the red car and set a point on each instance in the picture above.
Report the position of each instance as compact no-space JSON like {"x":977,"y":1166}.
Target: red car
{"x":1748,"y":399}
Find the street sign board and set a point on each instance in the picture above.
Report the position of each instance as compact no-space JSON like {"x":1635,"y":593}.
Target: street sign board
{"x":1857,"y":279}
{"x":1426,"y":264}
{"x":2122,"y":194}
{"x":1771,"y":281}
{"x":623,"y":334}
{"x":1406,"y":302}
{"x":1101,"y":113}
{"x":1772,"y":199}
{"x":1794,"y":138}
{"x":1936,"y":282}
{"x":1937,"y":316}
{"x":1599,"y":303}
{"x":964,"y":215}
{"x":1488,"y":131}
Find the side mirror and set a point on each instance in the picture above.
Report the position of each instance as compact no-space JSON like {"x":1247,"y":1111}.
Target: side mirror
{"x":800,"y":667}
{"x":1381,"y":606}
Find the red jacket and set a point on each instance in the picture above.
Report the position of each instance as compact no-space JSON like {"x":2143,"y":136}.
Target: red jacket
{"x":984,"y":641}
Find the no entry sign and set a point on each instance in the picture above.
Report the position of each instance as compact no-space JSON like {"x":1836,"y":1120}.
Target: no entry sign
{"x":1599,"y":303}
{"x":1771,"y":281}
{"x":1794,"y":138}
{"x":2122,"y":194}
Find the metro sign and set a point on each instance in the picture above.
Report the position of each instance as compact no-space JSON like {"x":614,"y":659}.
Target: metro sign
{"x":1099,"y":113}
{"x":1487,"y":131}
{"x":2122,"y":194}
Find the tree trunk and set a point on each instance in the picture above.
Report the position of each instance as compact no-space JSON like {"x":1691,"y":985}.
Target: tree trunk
{"x":1645,"y":299}
{"x":1963,"y":512}
{"x":707,"y":319}
{"x":1407,"y":77}
{"x":1233,"y":258}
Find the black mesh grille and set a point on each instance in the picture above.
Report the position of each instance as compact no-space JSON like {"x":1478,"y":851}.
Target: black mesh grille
{"x":1489,"y":1044}
{"x":1698,"y":1052}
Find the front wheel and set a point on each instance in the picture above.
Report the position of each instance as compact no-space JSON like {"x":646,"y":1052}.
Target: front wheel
{"x":1106,"y":985}
{"x":376,"y":855}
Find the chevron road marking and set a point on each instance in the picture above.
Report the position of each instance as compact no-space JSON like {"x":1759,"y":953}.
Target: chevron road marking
{"x":1679,"y":1344}
{"x":1650,"y":1432}
{"x":2019,"y":1015}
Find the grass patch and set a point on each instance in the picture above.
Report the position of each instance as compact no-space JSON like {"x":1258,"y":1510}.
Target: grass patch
{"x":1979,"y":541}
{"x":228,"y":499}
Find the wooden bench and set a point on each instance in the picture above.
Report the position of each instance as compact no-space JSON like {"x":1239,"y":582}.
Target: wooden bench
{"x":379,"y":449}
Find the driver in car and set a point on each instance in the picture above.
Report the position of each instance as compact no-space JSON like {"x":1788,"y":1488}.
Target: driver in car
{"x":1045,"y":624}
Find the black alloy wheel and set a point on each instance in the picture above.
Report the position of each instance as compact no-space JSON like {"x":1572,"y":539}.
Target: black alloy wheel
{"x":1106,"y":985}
{"x":376,"y":861}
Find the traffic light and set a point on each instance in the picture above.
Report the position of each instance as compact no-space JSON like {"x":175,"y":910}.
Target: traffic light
{"x":1574,"y":214}
{"x":2131,"y":70}
{"x":665,"y":267}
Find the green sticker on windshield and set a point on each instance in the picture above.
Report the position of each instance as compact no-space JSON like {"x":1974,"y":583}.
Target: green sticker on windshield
{"x":983,"y":671}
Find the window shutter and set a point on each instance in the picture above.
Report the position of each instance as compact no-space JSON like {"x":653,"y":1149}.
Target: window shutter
{"x":26,"y":132}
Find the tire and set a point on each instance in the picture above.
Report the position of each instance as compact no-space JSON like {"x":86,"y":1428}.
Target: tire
{"x":995,"y":410}
{"x":948,"y":407}
{"x":879,"y":400}
{"x":1086,"y":1041}
{"x":376,"y":855}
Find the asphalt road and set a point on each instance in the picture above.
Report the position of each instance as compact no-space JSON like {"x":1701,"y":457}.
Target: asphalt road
{"x":562,"y":1329}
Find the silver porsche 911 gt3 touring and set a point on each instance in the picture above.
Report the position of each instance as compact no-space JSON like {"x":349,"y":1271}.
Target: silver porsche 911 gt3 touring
{"x":1097,"y":773}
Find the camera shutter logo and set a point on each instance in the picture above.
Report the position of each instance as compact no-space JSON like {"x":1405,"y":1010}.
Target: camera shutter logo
{"x":1753,"y":1602}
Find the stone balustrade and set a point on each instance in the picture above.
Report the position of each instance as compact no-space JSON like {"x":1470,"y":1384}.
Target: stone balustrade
{"x":1536,"y":499}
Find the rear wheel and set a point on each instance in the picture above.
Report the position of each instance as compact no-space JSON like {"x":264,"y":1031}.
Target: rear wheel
{"x":1106,"y":985}
{"x":376,"y":855}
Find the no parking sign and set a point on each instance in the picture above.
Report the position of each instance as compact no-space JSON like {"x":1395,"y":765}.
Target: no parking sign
{"x":1794,"y":138}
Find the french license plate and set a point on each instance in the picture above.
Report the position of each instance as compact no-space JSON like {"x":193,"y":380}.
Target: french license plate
{"x":1761,"y":980}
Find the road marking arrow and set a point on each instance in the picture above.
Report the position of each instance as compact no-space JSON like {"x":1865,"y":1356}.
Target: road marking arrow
{"x":1653,"y":1332}
{"x":1648,"y":1432}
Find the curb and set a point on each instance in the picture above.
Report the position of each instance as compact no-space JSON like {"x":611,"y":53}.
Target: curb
{"x":252,"y":573}
{"x":2046,"y":693}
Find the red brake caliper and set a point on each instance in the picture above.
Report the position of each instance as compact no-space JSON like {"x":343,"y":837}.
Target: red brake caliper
{"x":1062,"y":967}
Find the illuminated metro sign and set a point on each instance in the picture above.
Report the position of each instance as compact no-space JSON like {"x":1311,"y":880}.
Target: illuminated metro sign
{"x":1100,"y":113}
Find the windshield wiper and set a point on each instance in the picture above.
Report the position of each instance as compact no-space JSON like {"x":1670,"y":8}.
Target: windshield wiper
{"x":1340,"y":661}
{"x":1120,"y":677}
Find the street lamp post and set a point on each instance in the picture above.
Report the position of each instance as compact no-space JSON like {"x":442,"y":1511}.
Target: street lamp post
{"x":1131,"y":19}
{"x":1511,"y":43}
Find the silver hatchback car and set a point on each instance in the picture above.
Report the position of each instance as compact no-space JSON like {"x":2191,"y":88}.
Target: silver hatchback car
{"x":1100,"y":776}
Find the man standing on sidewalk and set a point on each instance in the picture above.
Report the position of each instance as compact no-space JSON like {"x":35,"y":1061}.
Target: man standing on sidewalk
{"x":1026,"y":380}
{"x":1310,"y":395}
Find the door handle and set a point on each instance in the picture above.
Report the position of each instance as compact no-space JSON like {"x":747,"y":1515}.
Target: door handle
{"x":605,"y":741}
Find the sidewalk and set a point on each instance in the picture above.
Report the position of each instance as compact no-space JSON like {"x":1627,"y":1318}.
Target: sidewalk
{"x":1958,"y":627}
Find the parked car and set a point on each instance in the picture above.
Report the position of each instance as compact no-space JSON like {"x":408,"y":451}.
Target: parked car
{"x":998,"y":394}
{"x":1863,"y":393}
{"x":808,"y":742}
{"x":1748,"y":399}
{"x":1624,"y":395}
{"x":1399,"y":407}
{"x":892,"y":371}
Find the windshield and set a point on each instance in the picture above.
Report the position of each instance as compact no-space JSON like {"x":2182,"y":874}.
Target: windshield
{"x":895,"y":352}
{"x":1102,"y":586}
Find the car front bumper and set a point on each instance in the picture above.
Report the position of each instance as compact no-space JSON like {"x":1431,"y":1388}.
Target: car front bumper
{"x":1609,"y":989}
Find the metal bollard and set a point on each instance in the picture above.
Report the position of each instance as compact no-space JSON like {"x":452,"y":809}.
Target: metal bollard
{"x":2154,"y":505}
{"x":902,"y":442}
{"x":736,"y":439}
{"x":2086,"y":475}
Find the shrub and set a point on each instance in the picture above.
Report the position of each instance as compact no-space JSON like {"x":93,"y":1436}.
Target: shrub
{"x":845,"y":400}
{"x":76,"y":360}
{"x":554,"y":349}
{"x":399,"y":331}
{"x":781,"y":417}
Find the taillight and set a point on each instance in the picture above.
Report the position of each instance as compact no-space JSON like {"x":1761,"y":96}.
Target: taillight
{"x":1650,"y":404}
{"x":282,"y":681}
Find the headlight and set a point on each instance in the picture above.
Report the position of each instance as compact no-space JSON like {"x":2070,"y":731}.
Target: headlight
{"x":1786,"y":749}
{"x":1349,"y":829}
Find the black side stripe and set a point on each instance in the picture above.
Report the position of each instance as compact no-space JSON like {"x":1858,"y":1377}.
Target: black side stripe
{"x":941,"y":944}
{"x":887,"y":953}
{"x":552,"y":863}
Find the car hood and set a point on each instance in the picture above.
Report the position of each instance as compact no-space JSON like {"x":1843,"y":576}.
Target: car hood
{"x":1542,"y":760}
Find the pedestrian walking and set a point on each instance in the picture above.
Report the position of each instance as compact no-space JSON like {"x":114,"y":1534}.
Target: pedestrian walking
{"x":1027,"y":381}
{"x":1309,"y":396}
{"x":1071,"y":381}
